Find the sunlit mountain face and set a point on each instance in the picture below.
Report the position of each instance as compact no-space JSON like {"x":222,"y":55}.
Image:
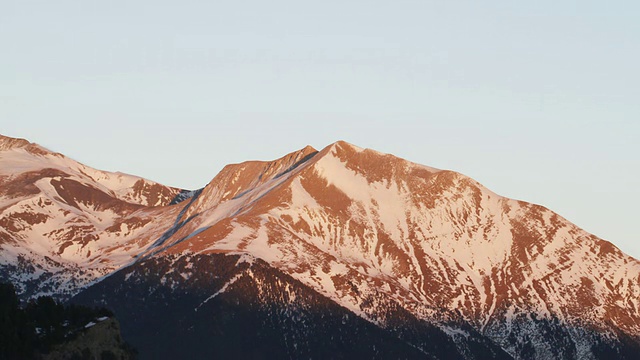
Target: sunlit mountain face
{"x":339,"y":253}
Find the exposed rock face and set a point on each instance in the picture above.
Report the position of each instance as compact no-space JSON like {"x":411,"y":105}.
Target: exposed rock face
{"x":416,"y":252}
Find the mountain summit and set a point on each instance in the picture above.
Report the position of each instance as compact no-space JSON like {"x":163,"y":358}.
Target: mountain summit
{"x":424,"y":262}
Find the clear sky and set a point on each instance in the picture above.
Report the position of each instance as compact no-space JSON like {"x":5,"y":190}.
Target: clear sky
{"x":537,"y":100}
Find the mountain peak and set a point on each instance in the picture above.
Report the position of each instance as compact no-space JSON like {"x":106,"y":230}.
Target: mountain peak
{"x":234,"y":180}
{"x":8,"y":143}
{"x":307,"y":150}
{"x":341,"y":144}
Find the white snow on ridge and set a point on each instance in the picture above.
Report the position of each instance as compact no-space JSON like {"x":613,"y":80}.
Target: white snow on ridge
{"x":18,"y":161}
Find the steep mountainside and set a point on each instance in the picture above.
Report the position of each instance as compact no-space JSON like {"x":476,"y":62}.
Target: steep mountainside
{"x":371,"y":232}
{"x":237,"y":306}
{"x":63,"y":224}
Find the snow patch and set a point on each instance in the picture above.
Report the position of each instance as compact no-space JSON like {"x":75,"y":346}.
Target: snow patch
{"x":222,"y":290}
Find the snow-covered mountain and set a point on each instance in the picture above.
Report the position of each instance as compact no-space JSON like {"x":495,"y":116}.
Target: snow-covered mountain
{"x":420,"y":253}
{"x":63,"y":224}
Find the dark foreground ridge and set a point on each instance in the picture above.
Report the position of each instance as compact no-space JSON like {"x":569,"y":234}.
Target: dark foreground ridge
{"x":232,"y":308}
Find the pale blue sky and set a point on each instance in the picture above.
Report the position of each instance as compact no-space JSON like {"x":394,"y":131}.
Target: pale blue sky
{"x":538,"y":101}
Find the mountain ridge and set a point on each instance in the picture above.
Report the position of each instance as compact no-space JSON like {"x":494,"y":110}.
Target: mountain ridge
{"x":369,"y":230}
